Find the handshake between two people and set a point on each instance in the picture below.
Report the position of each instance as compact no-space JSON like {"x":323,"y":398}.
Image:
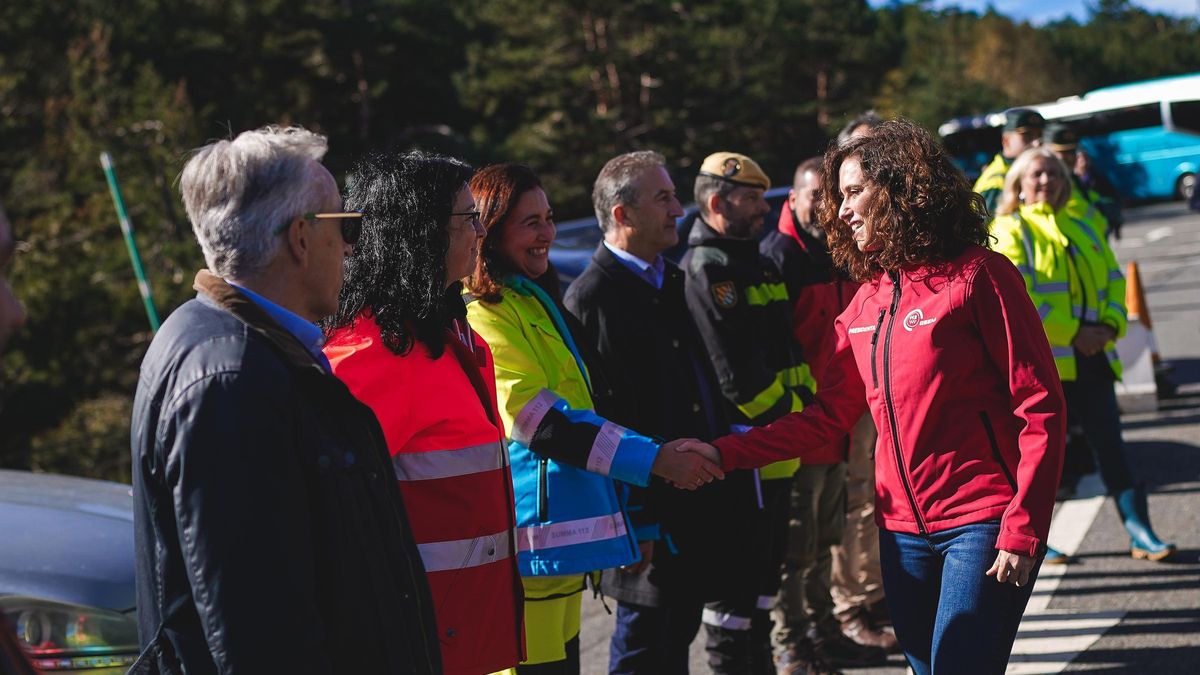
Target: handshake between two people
{"x":688,"y":463}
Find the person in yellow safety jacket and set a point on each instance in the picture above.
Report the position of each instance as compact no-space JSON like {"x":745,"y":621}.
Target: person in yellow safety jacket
{"x":741,"y":307}
{"x":1084,"y":203}
{"x":566,"y":460}
{"x":1022,"y":130}
{"x":1077,"y":286}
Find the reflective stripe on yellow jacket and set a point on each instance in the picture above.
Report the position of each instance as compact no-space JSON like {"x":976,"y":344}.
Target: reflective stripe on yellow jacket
{"x":1082,"y":206}
{"x":1071,"y":274}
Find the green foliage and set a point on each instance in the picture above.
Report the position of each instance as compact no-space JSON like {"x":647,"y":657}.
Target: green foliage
{"x":560,"y":85}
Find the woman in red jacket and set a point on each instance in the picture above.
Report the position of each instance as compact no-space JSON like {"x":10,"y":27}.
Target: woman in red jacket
{"x":401,"y":343}
{"x":943,"y":346}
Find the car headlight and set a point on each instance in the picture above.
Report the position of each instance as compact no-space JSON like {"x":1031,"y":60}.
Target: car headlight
{"x":60,"y":636}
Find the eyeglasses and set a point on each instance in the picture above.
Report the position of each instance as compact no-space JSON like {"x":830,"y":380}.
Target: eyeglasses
{"x":472,"y":219}
{"x":350,"y":223}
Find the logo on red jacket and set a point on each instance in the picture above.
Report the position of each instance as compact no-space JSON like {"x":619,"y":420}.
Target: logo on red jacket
{"x":916,"y":318}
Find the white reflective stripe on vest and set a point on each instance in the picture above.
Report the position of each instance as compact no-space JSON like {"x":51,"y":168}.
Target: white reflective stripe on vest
{"x":725,"y":620}
{"x":450,"y":463}
{"x":766,"y":602}
{"x":570,"y":532}
{"x":440,"y":556}
{"x":530,"y":417}
{"x":604,"y":448}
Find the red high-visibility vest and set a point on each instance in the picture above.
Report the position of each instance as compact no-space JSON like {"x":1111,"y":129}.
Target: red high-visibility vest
{"x":450,"y":456}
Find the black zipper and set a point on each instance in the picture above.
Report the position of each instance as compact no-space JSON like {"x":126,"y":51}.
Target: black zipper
{"x":991,"y":434}
{"x":874,"y":341}
{"x":891,"y":409}
{"x":543,"y":503}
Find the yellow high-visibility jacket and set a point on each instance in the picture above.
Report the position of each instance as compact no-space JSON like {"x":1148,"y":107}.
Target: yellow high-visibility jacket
{"x":1082,"y":205}
{"x":1071,"y":274}
{"x":991,"y":181}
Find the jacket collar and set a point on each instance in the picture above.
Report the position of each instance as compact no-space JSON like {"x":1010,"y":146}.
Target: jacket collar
{"x":703,"y":234}
{"x":228,"y":298}
{"x":618,"y":271}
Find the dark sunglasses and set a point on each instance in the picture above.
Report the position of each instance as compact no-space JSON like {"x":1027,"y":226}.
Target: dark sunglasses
{"x":350,"y":223}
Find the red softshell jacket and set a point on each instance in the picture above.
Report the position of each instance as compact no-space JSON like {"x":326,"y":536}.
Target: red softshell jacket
{"x":450,"y":456}
{"x":956,"y":370}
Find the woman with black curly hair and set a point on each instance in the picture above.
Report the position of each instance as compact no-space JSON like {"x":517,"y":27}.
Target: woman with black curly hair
{"x":943,"y":347}
{"x":401,"y":343}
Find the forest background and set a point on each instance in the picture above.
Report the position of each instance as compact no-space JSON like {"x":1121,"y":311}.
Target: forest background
{"x":561,"y":85}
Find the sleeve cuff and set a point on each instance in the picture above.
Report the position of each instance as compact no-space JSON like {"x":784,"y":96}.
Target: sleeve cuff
{"x":634,"y":456}
{"x":1021,"y":544}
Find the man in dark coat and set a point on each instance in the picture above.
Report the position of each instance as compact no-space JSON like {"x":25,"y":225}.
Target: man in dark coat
{"x":631,"y":303}
{"x":269,"y":530}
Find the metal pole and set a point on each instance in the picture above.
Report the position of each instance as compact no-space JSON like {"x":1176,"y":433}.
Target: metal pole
{"x":127,"y":229}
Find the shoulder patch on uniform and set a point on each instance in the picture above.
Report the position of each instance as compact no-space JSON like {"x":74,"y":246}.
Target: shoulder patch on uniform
{"x":709,"y":255}
{"x":724,"y":294}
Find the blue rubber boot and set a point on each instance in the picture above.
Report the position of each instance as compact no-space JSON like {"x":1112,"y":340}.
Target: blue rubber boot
{"x":1056,"y":557}
{"x":1143,"y":544}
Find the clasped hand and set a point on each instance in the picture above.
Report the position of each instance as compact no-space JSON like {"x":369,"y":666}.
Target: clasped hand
{"x":688,"y":463}
{"x":1092,"y":338}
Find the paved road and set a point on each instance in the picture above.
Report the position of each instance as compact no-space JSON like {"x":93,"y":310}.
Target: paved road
{"x":1109,"y":613}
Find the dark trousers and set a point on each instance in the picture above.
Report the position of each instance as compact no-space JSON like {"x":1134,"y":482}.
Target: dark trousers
{"x":653,"y":640}
{"x":1092,"y":404}
{"x":949,"y":616}
{"x":738,"y":630}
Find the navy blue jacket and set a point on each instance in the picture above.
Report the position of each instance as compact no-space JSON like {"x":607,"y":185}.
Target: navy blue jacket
{"x":270,"y":534}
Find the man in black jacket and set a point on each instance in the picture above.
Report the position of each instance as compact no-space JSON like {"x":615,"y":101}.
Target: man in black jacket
{"x":269,"y":530}
{"x":631,"y":302}
{"x":742,"y":309}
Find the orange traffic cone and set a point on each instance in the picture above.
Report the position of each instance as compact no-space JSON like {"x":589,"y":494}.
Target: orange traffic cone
{"x":1138,"y":308}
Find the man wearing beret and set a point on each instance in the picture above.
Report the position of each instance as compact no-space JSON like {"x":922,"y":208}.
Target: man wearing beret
{"x":1022,"y":130}
{"x":740,"y":305}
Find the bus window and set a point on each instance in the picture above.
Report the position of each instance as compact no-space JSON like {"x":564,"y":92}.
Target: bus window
{"x":1185,"y":115}
{"x":1122,"y":119}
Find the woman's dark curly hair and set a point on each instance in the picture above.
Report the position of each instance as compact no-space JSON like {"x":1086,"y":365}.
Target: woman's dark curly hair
{"x":924,"y":211}
{"x":398,"y":269}
{"x":496,"y":189}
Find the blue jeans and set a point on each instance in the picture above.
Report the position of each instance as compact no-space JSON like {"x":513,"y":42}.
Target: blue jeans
{"x":653,"y":640}
{"x":949,"y":616}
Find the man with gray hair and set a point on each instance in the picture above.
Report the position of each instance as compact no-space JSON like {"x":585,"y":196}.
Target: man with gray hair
{"x":270,"y":535}
{"x":631,"y":301}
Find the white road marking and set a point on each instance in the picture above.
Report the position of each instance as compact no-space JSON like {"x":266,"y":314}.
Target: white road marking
{"x":1071,"y":633}
{"x":1159,"y":233}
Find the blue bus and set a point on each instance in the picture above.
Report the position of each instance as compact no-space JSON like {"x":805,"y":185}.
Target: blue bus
{"x":1144,"y":136}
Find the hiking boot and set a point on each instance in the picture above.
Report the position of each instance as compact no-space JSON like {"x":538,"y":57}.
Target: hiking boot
{"x":861,"y":630}
{"x":842,"y":652}
{"x":801,"y":659}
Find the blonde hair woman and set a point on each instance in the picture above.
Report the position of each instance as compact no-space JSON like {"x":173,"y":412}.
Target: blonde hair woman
{"x":1076,"y":284}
